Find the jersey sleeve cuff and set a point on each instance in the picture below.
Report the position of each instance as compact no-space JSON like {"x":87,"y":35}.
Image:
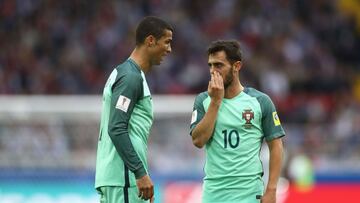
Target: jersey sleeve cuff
{"x":140,"y":172}
{"x":274,"y":136}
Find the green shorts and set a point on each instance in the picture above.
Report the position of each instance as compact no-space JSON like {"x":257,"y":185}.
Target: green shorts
{"x":113,"y":194}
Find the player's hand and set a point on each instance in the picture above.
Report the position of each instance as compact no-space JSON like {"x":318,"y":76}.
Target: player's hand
{"x":269,"y":197}
{"x":145,"y":187}
{"x":216,"y":87}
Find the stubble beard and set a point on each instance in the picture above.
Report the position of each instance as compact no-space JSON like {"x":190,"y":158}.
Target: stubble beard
{"x":228,"y":79}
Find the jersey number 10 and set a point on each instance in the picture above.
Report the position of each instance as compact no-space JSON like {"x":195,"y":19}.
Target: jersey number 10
{"x":232,"y":138}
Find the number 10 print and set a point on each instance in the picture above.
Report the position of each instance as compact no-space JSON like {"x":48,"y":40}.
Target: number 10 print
{"x":232,"y":138}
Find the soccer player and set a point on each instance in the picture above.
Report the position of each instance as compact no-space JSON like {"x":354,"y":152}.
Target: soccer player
{"x":231,"y":121}
{"x":127,"y":114}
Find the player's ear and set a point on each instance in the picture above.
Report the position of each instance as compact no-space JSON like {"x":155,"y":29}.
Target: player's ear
{"x":237,"y":66}
{"x":150,"y":41}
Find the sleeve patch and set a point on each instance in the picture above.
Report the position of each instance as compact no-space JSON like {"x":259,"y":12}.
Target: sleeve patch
{"x":193,"y":116}
{"x":123,"y":103}
{"x":276,"y":119}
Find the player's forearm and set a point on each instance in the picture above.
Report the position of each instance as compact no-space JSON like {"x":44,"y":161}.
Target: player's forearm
{"x":203,"y":131}
{"x":121,"y":140}
{"x":276,"y":156}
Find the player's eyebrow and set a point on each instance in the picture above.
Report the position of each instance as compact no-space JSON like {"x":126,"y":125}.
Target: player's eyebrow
{"x":215,"y":64}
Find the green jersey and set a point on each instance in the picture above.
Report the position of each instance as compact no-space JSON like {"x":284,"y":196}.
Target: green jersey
{"x":233,"y":168}
{"x":126,"y":119}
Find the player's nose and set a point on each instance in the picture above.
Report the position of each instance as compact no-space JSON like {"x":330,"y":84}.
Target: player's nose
{"x":212,"y":69}
{"x":168,"y":49}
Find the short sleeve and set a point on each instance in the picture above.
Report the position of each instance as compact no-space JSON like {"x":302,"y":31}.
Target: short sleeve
{"x":271,"y":124}
{"x":198,"y":110}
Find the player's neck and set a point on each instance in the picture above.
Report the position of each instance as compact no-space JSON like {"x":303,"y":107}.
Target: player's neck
{"x":140,"y":58}
{"x":233,"y":90}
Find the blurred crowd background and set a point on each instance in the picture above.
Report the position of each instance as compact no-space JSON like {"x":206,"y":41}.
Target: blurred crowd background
{"x":305,"y":54}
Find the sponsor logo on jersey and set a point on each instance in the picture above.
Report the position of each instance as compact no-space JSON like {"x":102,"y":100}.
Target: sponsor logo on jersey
{"x":248,"y":115}
{"x":193,"y":116}
{"x":123,"y":103}
{"x":276,"y":118}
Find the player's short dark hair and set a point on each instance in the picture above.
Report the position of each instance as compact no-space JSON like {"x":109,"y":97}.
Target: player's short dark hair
{"x":151,"y":25}
{"x":230,"y":47}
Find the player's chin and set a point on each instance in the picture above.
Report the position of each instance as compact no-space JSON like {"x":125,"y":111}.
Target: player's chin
{"x":158,"y":62}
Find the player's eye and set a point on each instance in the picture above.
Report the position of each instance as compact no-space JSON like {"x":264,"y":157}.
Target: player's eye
{"x":218,"y":65}
{"x":215,"y":65}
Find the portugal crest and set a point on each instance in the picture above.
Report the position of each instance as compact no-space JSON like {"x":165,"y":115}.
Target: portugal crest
{"x":248,"y":115}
